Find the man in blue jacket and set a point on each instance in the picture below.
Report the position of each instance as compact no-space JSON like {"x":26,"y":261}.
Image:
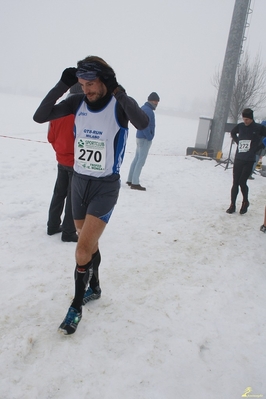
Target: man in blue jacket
{"x":144,"y":139}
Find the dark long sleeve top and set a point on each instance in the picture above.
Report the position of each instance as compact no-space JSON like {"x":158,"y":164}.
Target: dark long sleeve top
{"x":127,"y":108}
{"x":248,"y":140}
{"x":114,"y":125}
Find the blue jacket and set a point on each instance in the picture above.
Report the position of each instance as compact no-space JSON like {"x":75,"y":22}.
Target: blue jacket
{"x":149,"y":131}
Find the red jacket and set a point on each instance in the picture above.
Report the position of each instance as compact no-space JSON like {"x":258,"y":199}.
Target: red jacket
{"x":61,"y":136}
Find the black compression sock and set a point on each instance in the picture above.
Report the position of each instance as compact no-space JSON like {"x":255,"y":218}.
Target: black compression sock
{"x":83,"y":275}
{"x":96,"y":259}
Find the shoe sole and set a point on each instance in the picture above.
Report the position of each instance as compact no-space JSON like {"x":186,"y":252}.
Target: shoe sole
{"x":52,"y":234}
{"x":63,"y":332}
{"x":243,"y":212}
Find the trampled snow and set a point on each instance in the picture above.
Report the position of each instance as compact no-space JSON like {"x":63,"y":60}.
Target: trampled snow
{"x":183,"y":306}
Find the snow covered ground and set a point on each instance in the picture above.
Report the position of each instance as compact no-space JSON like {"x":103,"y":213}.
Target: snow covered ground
{"x":183,"y":306}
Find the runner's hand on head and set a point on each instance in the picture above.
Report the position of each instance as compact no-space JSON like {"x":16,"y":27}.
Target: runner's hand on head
{"x":107,"y":76}
{"x":69,"y":76}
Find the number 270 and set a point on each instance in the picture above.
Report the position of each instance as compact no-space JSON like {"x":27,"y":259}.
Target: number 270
{"x":97,"y":156}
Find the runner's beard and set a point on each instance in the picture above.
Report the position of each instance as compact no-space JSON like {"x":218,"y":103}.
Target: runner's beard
{"x":96,"y":95}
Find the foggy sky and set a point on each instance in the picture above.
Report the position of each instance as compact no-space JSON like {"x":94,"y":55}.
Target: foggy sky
{"x":173,"y":47}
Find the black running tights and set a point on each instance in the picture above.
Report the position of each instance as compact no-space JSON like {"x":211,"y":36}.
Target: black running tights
{"x":241,"y":172}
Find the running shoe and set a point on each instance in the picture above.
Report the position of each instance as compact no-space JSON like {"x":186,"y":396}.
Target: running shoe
{"x":71,"y":321}
{"x":91,"y":294}
{"x":244,"y":208}
{"x":263,"y":228}
{"x":231,"y":209}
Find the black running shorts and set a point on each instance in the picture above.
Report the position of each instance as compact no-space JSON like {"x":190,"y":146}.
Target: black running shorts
{"x":95,"y":197}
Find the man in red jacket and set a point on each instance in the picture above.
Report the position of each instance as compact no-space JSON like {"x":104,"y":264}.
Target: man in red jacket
{"x":61,"y":136}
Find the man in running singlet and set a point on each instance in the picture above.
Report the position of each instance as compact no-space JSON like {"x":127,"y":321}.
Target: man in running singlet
{"x":101,"y":114}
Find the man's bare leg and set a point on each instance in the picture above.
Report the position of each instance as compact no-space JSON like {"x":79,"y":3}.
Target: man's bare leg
{"x":89,"y":231}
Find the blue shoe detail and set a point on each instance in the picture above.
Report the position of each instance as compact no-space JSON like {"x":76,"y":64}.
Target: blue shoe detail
{"x":71,"y":321}
{"x":90,"y":294}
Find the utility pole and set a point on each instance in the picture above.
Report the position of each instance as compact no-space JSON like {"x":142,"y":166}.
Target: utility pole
{"x":231,"y":61}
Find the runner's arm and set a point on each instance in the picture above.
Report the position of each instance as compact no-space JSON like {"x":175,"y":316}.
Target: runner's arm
{"x":48,"y":109}
{"x":133,"y":112}
{"x":234,"y":135}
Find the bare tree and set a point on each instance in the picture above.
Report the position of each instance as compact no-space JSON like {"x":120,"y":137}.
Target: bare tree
{"x":249,"y":88}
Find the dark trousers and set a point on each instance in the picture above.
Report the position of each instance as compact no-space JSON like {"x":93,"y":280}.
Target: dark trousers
{"x":241,"y":173}
{"x":62,"y":198}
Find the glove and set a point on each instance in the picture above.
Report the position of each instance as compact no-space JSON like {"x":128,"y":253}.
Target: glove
{"x":69,"y":76}
{"x":107,"y":76}
{"x":264,"y":141}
